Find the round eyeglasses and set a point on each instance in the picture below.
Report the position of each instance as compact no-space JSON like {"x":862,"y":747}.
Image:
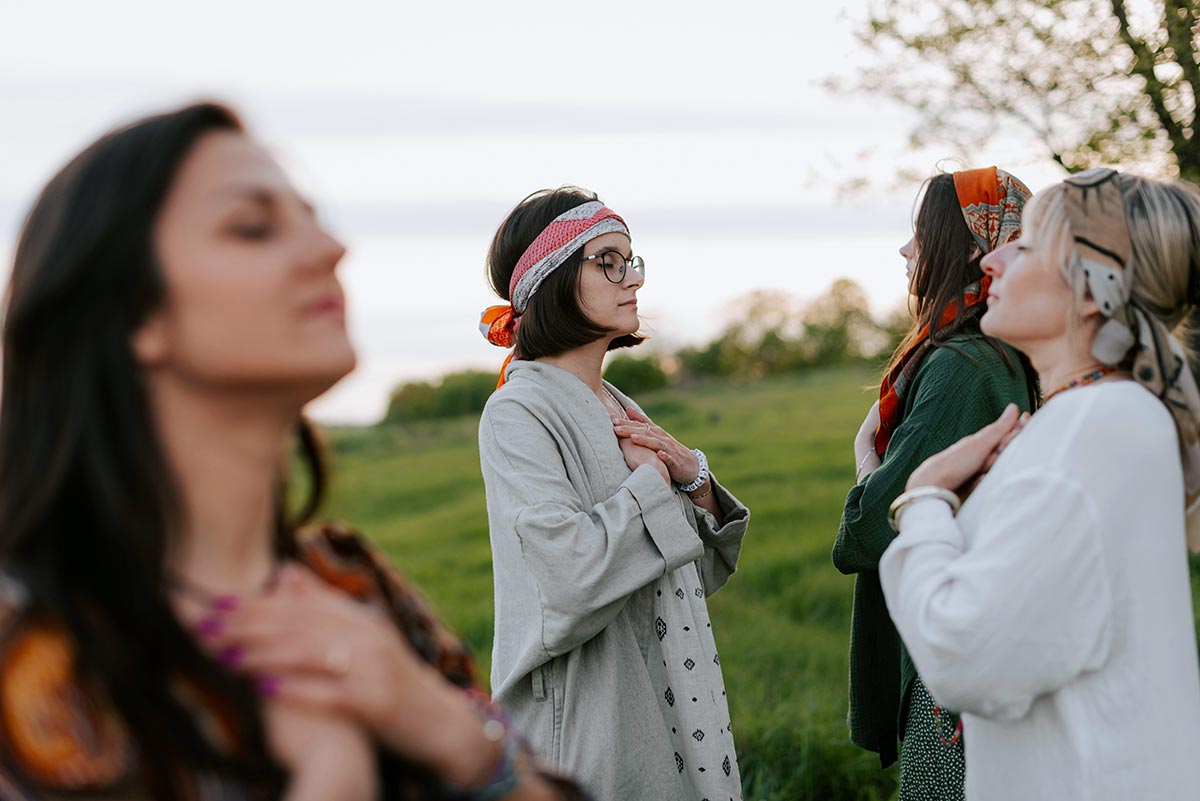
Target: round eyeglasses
{"x":615,"y":265}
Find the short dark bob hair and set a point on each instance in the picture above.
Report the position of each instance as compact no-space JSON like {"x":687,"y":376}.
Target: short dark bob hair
{"x":553,"y":321}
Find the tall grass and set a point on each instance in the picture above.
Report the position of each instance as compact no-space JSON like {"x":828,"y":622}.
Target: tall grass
{"x":784,"y":447}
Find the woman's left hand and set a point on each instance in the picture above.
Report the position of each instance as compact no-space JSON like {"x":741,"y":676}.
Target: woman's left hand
{"x":957,"y":467}
{"x":681,"y":461}
{"x":311,"y":645}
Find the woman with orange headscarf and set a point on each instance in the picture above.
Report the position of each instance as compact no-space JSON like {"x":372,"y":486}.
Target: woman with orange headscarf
{"x":946,"y":380}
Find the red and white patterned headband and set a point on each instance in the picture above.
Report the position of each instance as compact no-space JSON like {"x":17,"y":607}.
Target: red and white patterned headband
{"x":567,"y":233}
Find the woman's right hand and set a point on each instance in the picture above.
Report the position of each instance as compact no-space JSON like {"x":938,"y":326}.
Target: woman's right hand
{"x":958,"y":467}
{"x":637,"y":455}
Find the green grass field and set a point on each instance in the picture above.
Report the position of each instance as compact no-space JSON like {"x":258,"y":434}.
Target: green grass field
{"x":784,"y":447}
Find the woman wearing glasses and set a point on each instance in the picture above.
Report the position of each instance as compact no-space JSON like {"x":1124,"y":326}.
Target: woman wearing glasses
{"x":607,"y":533}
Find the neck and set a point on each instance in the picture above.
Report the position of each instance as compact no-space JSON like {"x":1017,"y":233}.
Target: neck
{"x":1061,"y":361}
{"x":585,"y":363}
{"x":226,"y":454}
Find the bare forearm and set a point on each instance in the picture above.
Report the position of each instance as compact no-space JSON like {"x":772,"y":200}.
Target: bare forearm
{"x":537,"y":788}
{"x":865,"y":457}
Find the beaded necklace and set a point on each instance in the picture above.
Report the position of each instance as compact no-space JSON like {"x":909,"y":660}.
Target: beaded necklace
{"x":937,"y":722}
{"x":1084,"y":380}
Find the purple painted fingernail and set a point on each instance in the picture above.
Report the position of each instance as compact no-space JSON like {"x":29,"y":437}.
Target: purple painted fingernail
{"x":230,"y":656}
{"x":224,"y":603}
{"x":209,"y":626}
{"x":266,"y":684}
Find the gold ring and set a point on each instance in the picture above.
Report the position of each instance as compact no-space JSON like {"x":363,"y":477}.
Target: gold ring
{"x":337,"y":659}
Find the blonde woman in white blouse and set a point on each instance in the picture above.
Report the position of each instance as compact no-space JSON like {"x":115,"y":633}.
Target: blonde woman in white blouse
{"x":1055,"y":609}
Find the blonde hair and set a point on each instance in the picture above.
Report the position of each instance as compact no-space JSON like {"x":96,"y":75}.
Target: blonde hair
{"x":1164,"y":229}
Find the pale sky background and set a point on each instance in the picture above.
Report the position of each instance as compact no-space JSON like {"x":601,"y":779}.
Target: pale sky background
{"x":417,"y":126}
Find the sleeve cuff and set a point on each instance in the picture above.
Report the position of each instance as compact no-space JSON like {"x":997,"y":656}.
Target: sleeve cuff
{"x":737,"y":516}
{"x":667,"y":527}
{"x":929,"y":520}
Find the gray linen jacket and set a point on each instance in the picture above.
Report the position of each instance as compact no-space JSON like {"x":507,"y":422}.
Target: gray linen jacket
{"x":578,"y":543}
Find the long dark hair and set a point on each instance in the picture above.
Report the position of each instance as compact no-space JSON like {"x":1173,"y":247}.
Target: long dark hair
{"x":553,"y":322}
{"x":946,"y":266}
{"x":88,"y":504}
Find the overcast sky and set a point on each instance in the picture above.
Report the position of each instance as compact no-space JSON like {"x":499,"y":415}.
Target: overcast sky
{"x":416,"y":126}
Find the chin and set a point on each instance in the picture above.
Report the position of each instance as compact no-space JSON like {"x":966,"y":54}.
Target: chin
{"x":993,"y":325}
{"x":317,"y":383}
{"x":321,"y":369}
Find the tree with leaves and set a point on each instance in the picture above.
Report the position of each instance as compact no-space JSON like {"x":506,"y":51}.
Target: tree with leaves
{"x":1096,"y":81}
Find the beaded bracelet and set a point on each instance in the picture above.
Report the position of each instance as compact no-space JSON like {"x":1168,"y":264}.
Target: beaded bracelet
{"x":514,"y":762}
{"x":701,"y":477}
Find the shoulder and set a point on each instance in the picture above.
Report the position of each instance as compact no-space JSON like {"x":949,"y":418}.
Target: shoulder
{"x":973,"y":354}
{"x":346,"y":561}
{"x":963,"y":364}
{"x":1120,"y":415}
{"x":954,"y":366}
{"x":526,"y":411}
{"x":1116,"y":439}
{"x":522,"y":397}
{"x":54,"y":732}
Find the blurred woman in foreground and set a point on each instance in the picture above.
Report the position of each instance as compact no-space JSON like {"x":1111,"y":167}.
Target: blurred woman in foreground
{"x":166,"y":630}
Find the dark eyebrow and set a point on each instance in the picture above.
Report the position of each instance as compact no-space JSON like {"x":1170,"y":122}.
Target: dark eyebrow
{"x":612,"y":249}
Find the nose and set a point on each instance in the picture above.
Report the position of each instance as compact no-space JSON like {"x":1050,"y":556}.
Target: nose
{"x":323,"y":250}
{"x":993,"y":263}
{"x":906,"y":250}
{"x":633,"y":278}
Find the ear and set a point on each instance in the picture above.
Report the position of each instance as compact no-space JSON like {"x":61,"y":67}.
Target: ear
{"x":150,"y":341}
{"x":1087,"y":307}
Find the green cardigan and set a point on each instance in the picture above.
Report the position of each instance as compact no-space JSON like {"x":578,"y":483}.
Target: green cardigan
{"x":957,"y":390}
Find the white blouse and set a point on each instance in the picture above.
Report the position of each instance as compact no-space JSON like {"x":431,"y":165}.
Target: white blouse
{"x":1055,"y":611}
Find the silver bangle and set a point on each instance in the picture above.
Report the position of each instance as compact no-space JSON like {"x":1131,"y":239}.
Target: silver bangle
{"x":900,"y":504}
{"x":702,"y":477}
{"x":858,"y":472}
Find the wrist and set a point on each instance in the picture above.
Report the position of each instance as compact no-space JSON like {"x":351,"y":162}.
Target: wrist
{"x":920,"y":494}
{"x":701,"y":474}
{"x":509,"y":765}
{"x":661,"y":469}
{"x":455,"y":749}
{"x":461,"y":753}
{"x":703,"y":491}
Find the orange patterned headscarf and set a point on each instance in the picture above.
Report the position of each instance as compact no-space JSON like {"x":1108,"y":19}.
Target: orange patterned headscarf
{"x":498,"y":324}
{"x":991,"y":202}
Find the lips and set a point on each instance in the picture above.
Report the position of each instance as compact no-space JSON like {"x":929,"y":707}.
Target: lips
{"x":331,"y":304}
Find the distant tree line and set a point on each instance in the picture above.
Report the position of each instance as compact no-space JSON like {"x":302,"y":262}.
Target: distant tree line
{"x":770,"y":334}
